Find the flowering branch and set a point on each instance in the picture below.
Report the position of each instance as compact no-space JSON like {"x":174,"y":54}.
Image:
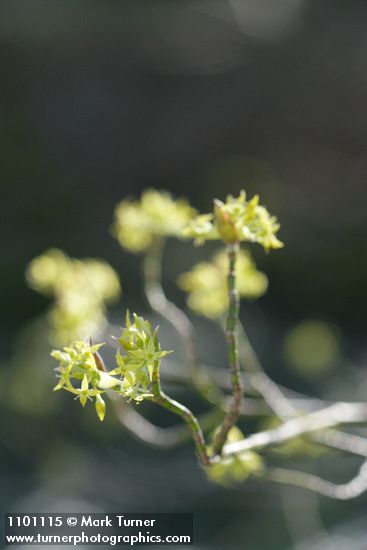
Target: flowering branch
{"x":233,"y":222}
{"x":82,"y":289}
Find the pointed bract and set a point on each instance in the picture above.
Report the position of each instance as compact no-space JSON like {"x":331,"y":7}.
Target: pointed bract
{"x":142,"y":352}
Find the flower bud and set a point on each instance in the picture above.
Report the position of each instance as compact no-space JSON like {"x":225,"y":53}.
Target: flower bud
{"x":226,"y":228}
{"x":100,"y":407}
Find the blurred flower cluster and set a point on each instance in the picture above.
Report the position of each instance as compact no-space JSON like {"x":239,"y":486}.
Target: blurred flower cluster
{"x":229,"y":470}
{"x":312,"y":348}
{"x":80,"y":288}
{"x":235,"y":468}
{"x":206,"y":283}
{"x":156,"y":214}
{"x":235,"y":221}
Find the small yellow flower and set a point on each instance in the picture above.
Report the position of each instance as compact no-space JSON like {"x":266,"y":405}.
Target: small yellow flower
{"x":206,"y":283}
{"x":156,"y":214}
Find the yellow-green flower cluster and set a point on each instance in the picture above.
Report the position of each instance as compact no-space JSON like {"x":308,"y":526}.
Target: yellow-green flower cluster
{"x":81,"y":363}
{"x":156,"y":214}
{"x":229,"y":470}
{"x":142,"y":354}
{"x":235,"y":468}
{"x":81,"y":289}
{"x":206,"y":283}
{"x":81,"y":370}
{"x":234,"y":221}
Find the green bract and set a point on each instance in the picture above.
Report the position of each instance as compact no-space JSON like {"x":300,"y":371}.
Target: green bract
{"x":207,"y":287}
{"x":80,"y":363}
{"x":142,"y":354}
{"x":235,"y":221}
{"x":156,"y":214}
{"x":81,"y":289}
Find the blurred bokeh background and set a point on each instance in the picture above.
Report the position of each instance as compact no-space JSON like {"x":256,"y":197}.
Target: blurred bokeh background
{"x":202,"y":98}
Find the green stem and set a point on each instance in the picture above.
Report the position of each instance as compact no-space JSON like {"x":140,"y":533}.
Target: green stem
{"x":152,"y":271}
{"x":233,"y":359}
{"x":162,"y":399}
